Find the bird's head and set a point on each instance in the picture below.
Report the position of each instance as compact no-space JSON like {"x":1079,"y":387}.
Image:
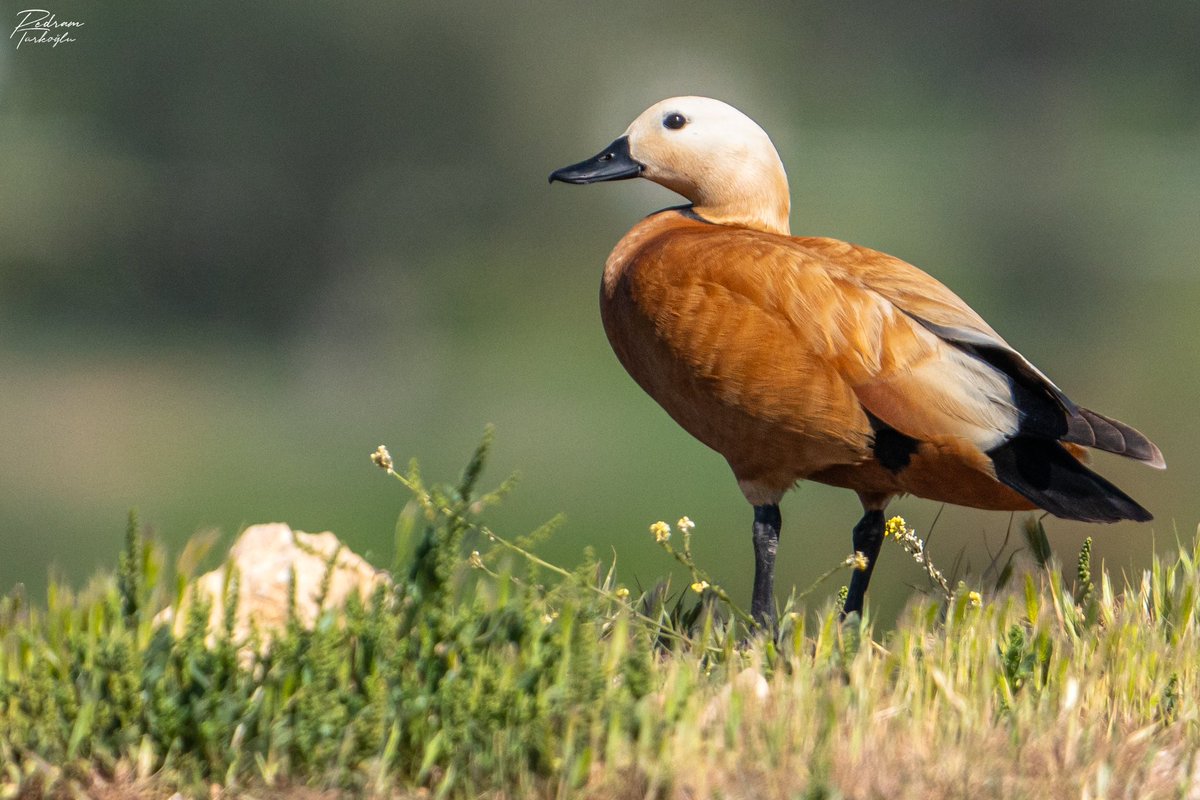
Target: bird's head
{"x":707,"y":151}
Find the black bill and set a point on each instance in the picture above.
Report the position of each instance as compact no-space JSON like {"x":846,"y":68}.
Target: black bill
{"x":613,"y":163}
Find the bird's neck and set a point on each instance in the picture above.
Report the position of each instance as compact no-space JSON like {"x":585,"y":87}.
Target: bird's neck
{"x":755,"y":196}
{"x":772,"y":218}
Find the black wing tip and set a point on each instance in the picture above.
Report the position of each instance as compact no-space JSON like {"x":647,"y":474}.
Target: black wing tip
{"x":1144,"y":516}
{"x":1046,"y":412}
{"x":1045,"y":473}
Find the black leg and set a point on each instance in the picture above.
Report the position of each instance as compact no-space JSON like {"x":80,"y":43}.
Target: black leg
{"x":868,"y":537}
{"x":767,"y":521}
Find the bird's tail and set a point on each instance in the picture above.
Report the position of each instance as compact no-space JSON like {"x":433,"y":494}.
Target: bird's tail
{"x":1043,"y":471}
{"x":1090,"y":429}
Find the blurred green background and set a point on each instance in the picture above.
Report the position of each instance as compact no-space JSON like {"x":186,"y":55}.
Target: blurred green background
{"x":242,"y":244}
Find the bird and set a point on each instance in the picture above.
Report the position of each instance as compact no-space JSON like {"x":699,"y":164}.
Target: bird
{"x":807,"y":358}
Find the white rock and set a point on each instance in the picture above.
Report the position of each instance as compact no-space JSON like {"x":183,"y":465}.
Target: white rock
{"x":264,"y":557}
{"x":749,"y":684}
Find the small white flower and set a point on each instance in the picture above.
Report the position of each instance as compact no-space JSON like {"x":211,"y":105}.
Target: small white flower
{"x":382,"y":458}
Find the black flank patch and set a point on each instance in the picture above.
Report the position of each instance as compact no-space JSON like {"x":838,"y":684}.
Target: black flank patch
{"x":891,"y":448}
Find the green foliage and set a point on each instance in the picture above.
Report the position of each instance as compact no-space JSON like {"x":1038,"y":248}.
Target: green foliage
{"x":484,"y":670}
{"x":446,"y":679}
{"x":1024,"y":658}
{"x":1083,"y":572}
{"x":1038,"y":541}
{"x":1085,"y":590}
{"x":129,"y":569}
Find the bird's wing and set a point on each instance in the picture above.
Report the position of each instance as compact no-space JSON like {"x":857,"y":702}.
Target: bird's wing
{"x":910,"y":348}
{"x":799,"y":332}
{"x":1043,"y":410}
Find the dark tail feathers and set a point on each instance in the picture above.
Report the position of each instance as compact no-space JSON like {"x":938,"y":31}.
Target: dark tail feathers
{"x":1090,"y":429}
{"x":1043,"y":471}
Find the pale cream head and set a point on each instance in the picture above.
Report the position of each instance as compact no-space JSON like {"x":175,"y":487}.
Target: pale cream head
{"x":718,"y":158}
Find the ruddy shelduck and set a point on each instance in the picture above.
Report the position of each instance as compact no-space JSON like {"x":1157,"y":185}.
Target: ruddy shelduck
{"x":809,"y":358}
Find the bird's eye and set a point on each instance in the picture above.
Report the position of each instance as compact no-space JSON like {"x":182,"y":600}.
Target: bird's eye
{"x":674,"y":121}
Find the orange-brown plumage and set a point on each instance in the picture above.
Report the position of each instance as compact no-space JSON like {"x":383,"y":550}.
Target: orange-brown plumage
{"x":808,"y":358}
{"x":771,"y":350}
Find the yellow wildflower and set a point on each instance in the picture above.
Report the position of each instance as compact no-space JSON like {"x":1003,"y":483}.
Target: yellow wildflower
{"x":661,"y":531}
{"x":975,"y":599}
{"x":896,"y":528}
{"x":622,"y":593}
{"x":699,"y":586}
{"x":859,"y":561}
{"x":685,"y":525}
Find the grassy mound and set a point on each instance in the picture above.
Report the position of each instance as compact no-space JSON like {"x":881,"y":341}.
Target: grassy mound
{"x":486,"y":671}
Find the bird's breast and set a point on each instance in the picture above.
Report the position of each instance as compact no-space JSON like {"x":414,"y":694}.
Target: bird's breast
{"x":730,"y":372}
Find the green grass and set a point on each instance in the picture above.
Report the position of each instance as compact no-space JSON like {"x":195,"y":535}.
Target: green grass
{"x":488,"y":672}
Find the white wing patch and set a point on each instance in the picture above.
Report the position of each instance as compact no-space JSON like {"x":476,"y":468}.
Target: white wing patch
{"x":945,"y":393}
